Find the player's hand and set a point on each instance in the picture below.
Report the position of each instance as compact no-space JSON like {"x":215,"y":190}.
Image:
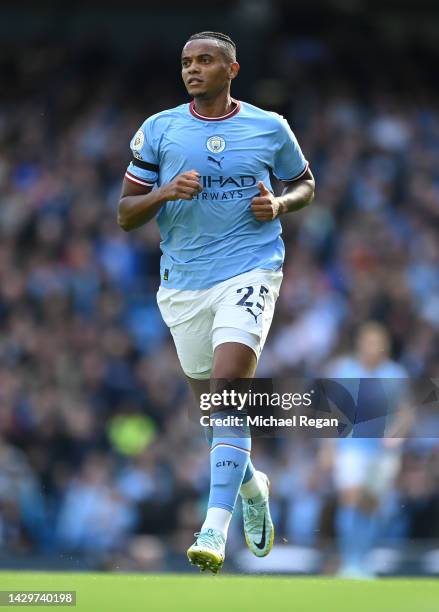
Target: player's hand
{"x":265,"y":207}
{"x":183,"y":187}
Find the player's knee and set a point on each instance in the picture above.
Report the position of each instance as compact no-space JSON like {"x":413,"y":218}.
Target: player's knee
{"x":234,"y":361}
{"x":351,"y":497}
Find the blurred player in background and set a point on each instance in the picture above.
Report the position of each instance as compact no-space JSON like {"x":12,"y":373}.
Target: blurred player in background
{"x":365,"y":467}
{"x":221,"y":267}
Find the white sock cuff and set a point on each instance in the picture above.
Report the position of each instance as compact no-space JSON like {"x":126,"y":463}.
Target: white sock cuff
{"x":254,"y":487}
{"x":219,"y":519}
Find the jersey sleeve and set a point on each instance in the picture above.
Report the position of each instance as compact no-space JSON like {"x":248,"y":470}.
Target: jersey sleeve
{"x":143,"y":168}
{"x":289,"y":163}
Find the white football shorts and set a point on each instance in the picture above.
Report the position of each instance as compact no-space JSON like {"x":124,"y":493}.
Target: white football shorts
{"x":373,"y":471}
{"x":239,"y":309}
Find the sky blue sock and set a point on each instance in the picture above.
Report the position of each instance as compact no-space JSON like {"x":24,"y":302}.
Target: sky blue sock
{"x":229,"y":458}
{"x":366,"y":529}
{"x":356,"y":531}
{"x":345,"y":525}
{"x":250,"y":470}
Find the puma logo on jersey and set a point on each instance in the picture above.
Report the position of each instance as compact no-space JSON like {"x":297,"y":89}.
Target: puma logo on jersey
{"x":216,"y":161}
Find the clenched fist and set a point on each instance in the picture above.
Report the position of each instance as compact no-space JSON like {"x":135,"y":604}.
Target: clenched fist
{"x":265,"y":207}
{"x":183,"y":187}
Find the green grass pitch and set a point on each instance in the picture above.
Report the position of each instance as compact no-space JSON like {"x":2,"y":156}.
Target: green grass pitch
{"x":225,"y":593}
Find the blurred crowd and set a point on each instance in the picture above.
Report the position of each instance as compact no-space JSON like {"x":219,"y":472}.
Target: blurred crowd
{"x":97,"y":457}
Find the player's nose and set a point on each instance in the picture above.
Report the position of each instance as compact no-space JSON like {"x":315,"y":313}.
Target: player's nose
{"x":193,"y":69}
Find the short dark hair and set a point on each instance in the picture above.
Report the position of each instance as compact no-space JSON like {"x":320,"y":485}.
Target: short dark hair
{"x":229,"y":47}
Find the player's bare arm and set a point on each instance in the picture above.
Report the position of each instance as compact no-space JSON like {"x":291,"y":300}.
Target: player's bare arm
{"x":296,"y":195}
{"x":138,"y":204}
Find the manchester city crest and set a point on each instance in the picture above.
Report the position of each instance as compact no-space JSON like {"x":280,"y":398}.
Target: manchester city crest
{"x":216,"y":144}
{"x":139,"y":139}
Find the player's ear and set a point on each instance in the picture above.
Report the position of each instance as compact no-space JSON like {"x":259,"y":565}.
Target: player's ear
{"x":234,"y":69}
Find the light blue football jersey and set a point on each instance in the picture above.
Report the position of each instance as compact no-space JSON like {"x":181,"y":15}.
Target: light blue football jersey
{"x":215,"y":236}
{"x":388,"y":383}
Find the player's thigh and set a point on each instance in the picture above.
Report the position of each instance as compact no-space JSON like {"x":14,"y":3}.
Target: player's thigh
{"x":190,"y":319}
{"x":235,"y":355}
{"x":244,"y":309}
